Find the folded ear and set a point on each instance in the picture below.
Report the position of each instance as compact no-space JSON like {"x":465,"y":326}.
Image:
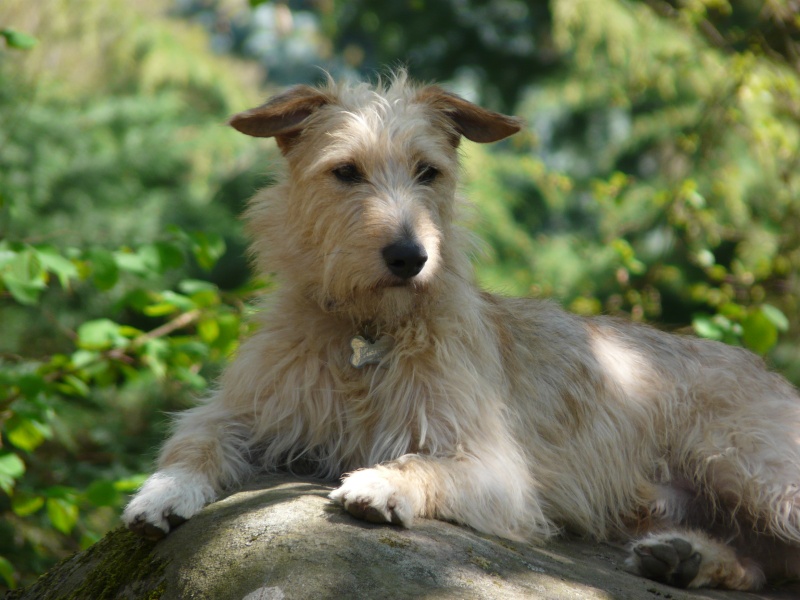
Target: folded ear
{"x":473,"y":122}
{"x":282,"y":116}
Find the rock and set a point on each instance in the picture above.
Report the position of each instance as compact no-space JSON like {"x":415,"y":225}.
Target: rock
{"x":281,"y":539}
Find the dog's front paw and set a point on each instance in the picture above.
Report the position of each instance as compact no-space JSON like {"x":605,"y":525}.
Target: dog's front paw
{"x":167,"y":499}
{"x":368,"y":494}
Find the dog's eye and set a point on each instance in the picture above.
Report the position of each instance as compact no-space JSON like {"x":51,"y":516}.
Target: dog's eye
{"x":348,"y":173}
{"x":426,"y":174}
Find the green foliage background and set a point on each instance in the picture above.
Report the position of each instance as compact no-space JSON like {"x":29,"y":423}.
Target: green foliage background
{"x":658,"y":178}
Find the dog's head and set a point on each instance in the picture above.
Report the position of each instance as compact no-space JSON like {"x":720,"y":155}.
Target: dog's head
{"x":363,"y":223}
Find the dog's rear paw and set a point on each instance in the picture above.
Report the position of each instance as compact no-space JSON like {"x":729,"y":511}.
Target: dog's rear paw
{"x":368,"y":495}
{"x":165,"y":501}
{"x":673,"y":561}
{"x":692,"y":559}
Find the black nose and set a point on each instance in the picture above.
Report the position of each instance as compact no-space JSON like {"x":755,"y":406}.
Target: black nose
{"x":405,"y":258}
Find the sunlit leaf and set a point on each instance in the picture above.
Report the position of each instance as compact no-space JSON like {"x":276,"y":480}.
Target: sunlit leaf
{"x":208,"y":330}
{"x":192,"y":286}
{"x":24,"y":505}
{"x":130,"y":484}
{"x":7,"y":573}
{"x":71,"y":385}
{"x":26,"y":434}
{"x":17,"y":39}
{"x":100,"y":334}
{"x":11,"y":469}
{"x":133,"y":263}
{"x":705,"y":327}
{"x":775,"y":316}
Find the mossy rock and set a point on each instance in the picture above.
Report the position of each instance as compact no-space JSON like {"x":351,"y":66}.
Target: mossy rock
{"x":281,"y":539}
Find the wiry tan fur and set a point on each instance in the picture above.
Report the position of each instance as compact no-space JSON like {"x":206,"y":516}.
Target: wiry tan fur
{"x":508,"y":415}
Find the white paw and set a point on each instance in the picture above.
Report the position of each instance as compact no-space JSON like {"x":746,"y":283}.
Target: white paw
{"x":167,"y":499}
{"x":367,"y":494}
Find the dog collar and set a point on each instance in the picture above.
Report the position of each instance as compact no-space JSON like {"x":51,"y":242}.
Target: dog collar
{"x":367,"y":352}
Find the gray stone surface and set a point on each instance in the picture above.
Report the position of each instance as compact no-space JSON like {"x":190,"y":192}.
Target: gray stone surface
{"x":281,"y":539}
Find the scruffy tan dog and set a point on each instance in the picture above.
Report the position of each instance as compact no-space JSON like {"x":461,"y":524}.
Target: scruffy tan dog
{"x":379,"y":357}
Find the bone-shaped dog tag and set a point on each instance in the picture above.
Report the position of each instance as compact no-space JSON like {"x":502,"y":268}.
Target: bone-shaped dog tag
{"x":366,"y":352}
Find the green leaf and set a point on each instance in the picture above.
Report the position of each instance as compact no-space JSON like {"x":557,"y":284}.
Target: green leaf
{"x":105,"y":271}
{"x":100,"y":334}
{"x":73,"y":386}
{"x":229,"y":324}
{"x":60,"y":266}
{"x":207,"y":248}
{"x":11,"y":469}
{"x":11,"y":465}
{"x":208,"y":330}
{"x":17,"y":39}
{"x":159,"y":257}
{"x":132,"y":263}
{"x":759,"y":333}
{"x":205,"y":298}
{"x":31,"y":385}
{"x":160,"y":309}
{"x":26,"y":434}
{"x":169,"y":302}
{"x":60,"y":491}
{"x":84,"y":358}
{"x":192,"y":286}
{"x":170,"y":255}
{"x":103,"y":493}
{"x":63,"y":514}
{"x":705,"y":327}
{"x":7,"y":573}
{"x":775,"y":316}
{"x":24,"y":277}
{"x":189,"y":377}
{"x":130,"y":484}
{"x":25,"y":505}
{"x":154,"y":352}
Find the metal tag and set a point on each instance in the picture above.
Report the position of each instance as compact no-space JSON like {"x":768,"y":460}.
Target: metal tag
{"x":366,"y":352}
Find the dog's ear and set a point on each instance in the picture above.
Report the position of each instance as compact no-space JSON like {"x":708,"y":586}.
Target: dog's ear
{"x":282,"y":116}
{"x":473,"y":122}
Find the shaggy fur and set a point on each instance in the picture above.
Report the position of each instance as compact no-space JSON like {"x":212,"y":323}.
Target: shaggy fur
{"x":507,"y":415}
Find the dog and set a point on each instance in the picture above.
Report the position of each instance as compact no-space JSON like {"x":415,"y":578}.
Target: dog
{"x":379,"y":359}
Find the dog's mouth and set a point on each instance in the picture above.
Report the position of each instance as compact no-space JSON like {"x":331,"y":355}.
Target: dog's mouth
{"x":387,"y":284}
{"x":414,"y":284}
{"x":397,"y":283}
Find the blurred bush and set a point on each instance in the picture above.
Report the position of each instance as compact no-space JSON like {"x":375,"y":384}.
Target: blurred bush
{"x":120,"y":188}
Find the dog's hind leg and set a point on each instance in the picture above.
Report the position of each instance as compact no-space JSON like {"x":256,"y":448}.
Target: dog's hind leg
{"x":203,"y":456}
{"x":492,"y":494}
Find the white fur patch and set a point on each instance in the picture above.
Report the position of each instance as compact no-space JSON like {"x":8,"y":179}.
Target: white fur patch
{"x":623,"y":365}
{"x":369,"y":488}
{"x":169,"y":492}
